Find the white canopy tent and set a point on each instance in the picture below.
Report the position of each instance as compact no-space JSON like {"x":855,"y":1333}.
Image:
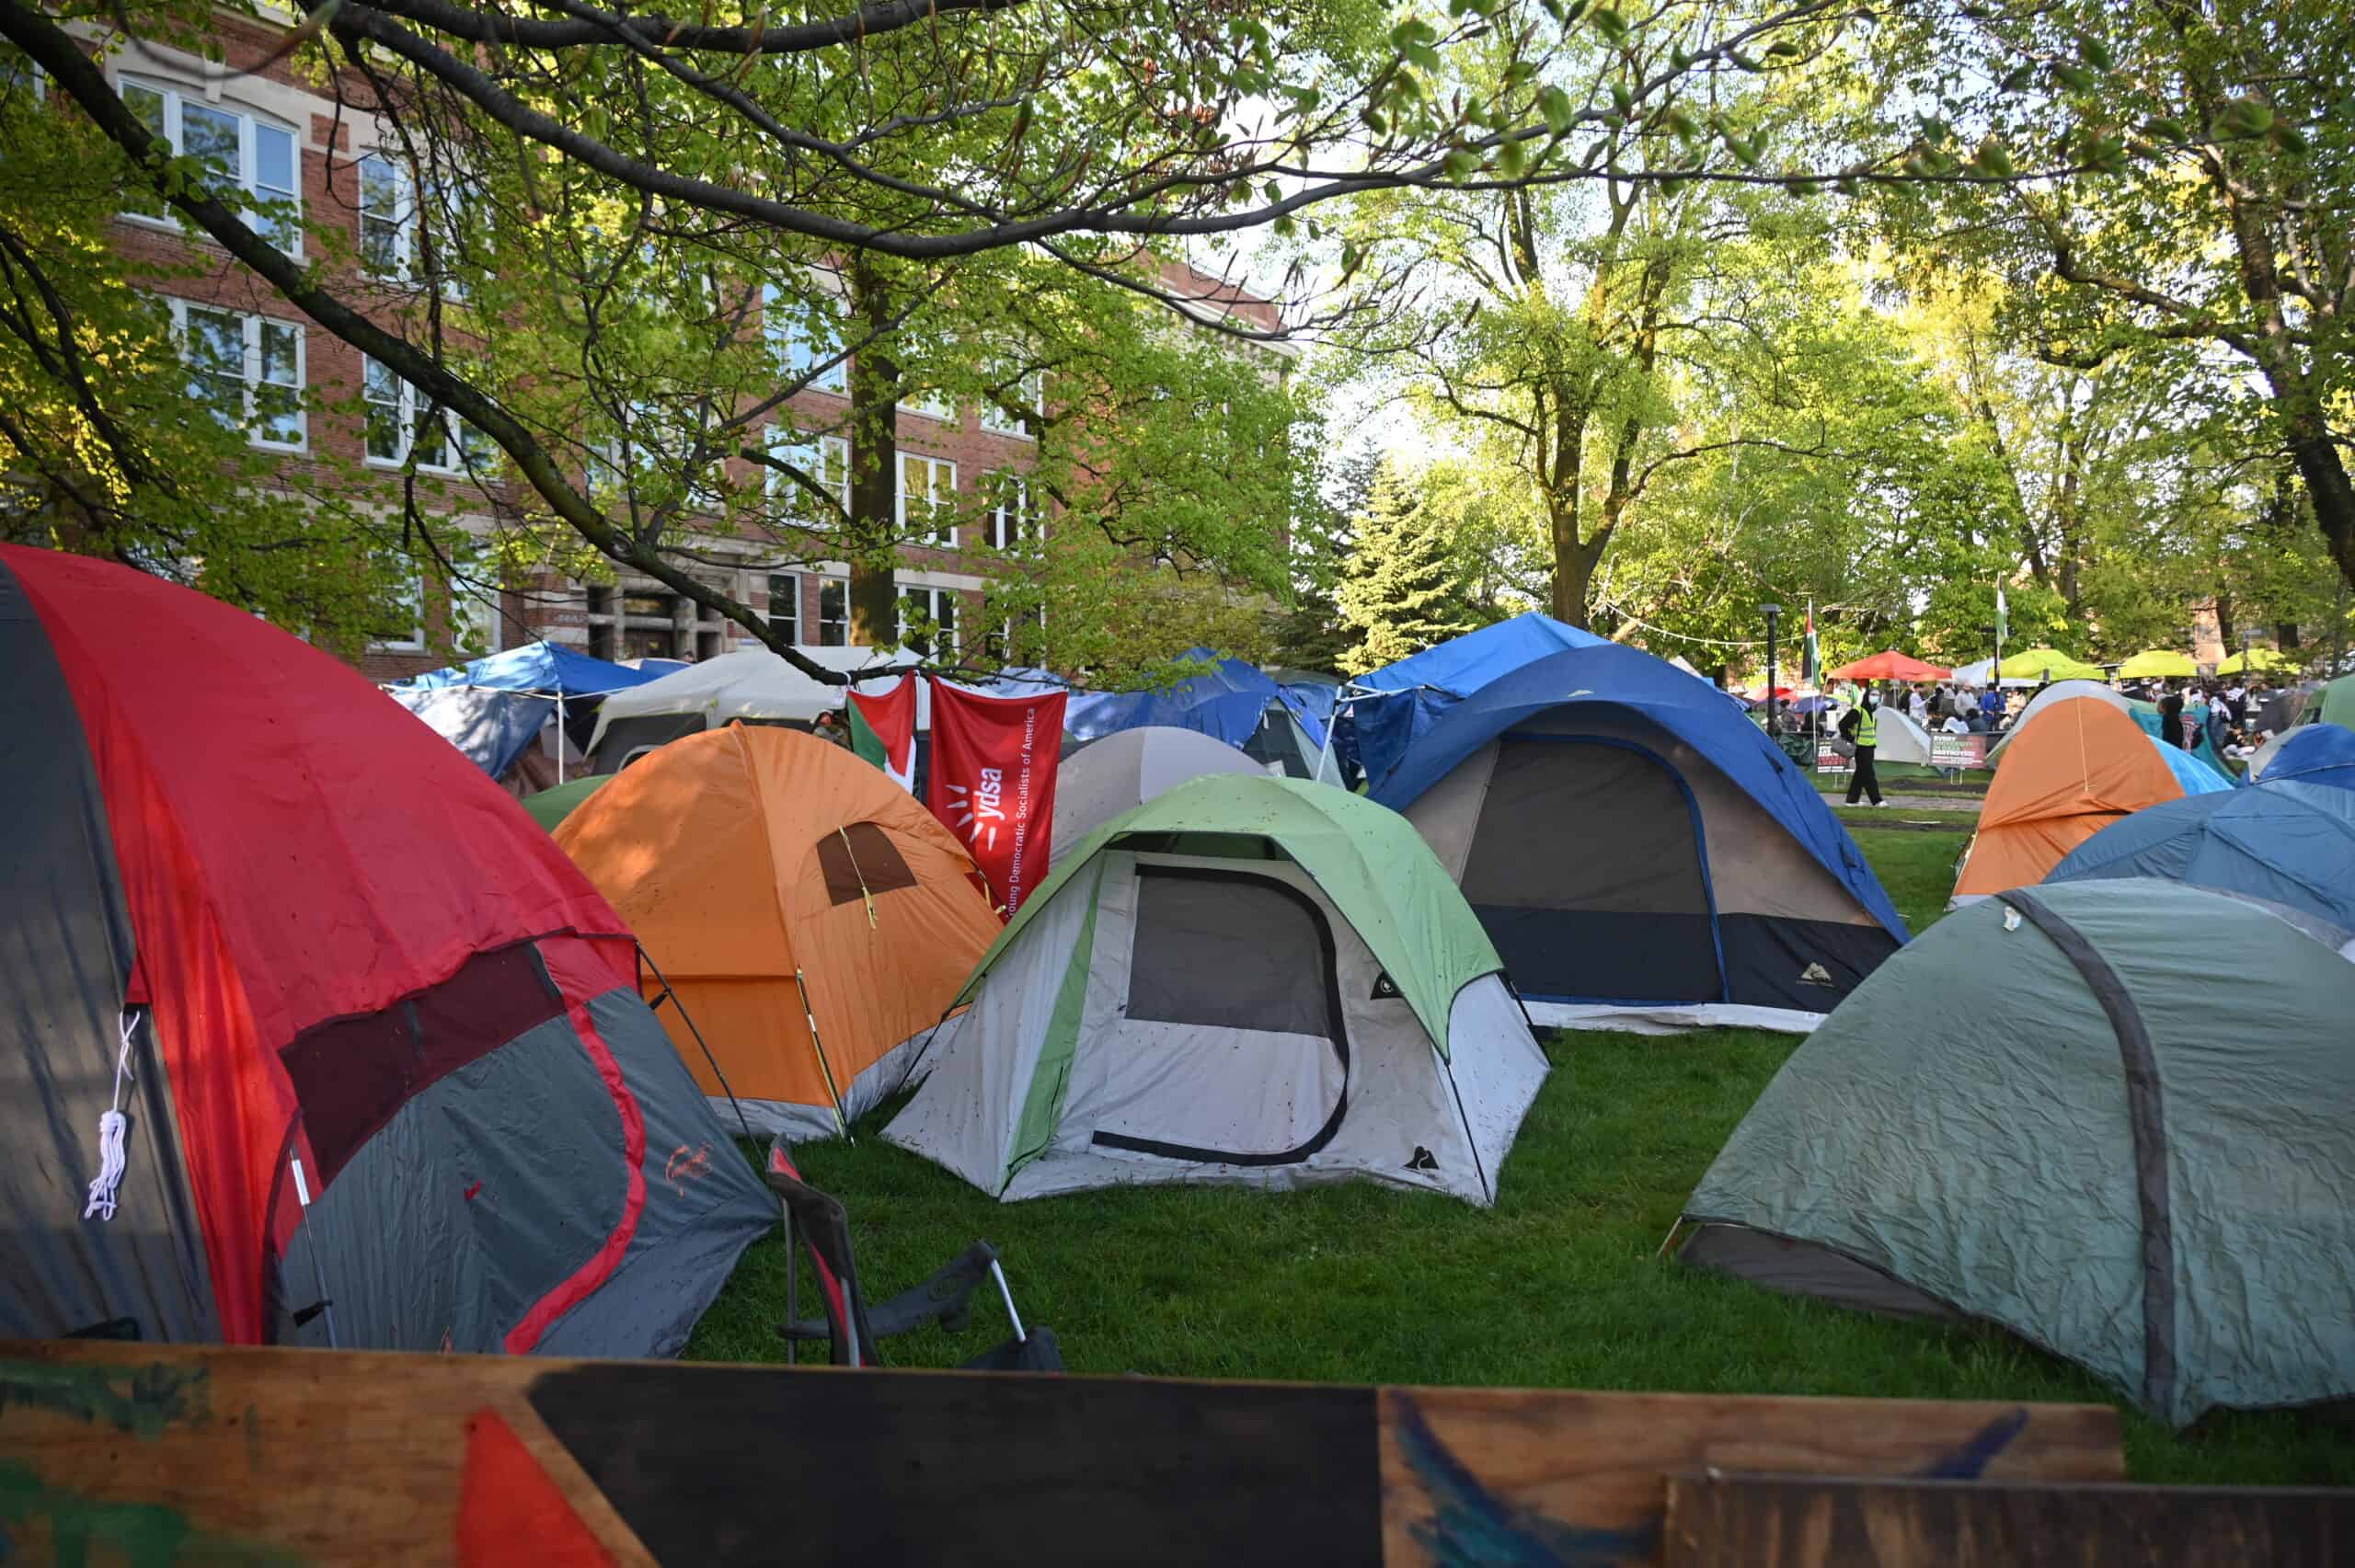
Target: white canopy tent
{"x":752,"y":684}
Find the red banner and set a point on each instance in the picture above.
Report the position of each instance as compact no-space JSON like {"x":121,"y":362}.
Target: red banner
{"x":993,"y":783}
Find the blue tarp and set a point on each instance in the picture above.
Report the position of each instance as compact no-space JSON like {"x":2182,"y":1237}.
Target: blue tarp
{"x":2192,"y":772}
{"x":1225,"y":700}
{"x":1311,"y":703}
{"x":548,"y":667}
{"x":2285,"y":840}
{"x":1696,"y":712}
{"x":491,"y":726}
{"x":2318,"y":754}
{"x":1411,"y":695}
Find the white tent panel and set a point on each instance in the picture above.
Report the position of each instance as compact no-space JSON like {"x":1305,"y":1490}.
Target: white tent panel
{"x":752,"y":684}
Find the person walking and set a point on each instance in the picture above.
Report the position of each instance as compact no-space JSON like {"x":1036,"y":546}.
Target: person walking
{"x":1860,"y":727}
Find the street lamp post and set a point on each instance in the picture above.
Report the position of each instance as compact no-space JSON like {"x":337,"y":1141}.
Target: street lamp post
{"x":1774,"y":613}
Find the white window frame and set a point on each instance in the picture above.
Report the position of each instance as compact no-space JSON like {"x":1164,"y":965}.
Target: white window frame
{"x":247,"y":175}
{"x":799,"y":352}
{"x":403,"y":218}
{"x":815,"y":455}
{"x":454,"y":429}
{"x":933,"y":597}
{"x":252,"y":327}
{"x":941,"y":499}
{"x":1032,"y":389}
{"x":1024,"y":530}
{"x":793,"y":597}
{"x":928,"y":405}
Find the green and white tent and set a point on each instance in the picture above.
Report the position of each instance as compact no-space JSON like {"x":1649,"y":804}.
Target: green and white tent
{"x":1246,"y":979}
{"x":2111,"y":1117}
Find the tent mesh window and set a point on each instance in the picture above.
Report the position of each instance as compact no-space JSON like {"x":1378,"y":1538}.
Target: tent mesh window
{"x":1266,"y":944}
{"x":1586,"y":871}
{"x":353,"y":1074}
{"x":860,"y":860}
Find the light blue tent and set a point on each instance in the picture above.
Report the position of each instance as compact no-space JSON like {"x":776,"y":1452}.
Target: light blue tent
{"x":1226,"y":700}
{"x":549,"y":668}
{"x":491,"y":726}
{"x":1391,"y":708}
{"x":2286,"y":840}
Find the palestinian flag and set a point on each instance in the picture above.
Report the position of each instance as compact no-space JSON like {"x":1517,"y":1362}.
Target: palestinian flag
{"x":883,"y":730}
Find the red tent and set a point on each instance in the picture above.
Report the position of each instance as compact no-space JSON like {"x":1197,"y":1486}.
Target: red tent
{"x":356,"y":1031}
{"x":1891,"y":666}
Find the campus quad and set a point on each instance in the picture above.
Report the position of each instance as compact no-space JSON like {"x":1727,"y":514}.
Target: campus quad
{"x":1641,"y":854}
{"x":360,"y":1048}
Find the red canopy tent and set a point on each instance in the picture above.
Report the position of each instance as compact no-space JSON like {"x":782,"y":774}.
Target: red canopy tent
{"x":1891,"y":666}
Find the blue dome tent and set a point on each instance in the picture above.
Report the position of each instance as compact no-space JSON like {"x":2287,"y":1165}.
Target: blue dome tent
{"x":1230,"y":700}
{"x":2313,"y":754}
{"x":2287,"y":841}
{"x":1391,"y":708}
{"x":550,"y":669}
{"x":1642,"y":855}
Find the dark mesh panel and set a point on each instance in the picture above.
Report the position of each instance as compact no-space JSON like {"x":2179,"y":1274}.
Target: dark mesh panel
{"x":1571,"y":826}
{"x":1231,"y":951}
{"x":1585,"y":872}
{"x":624,"y":735}
{"x":351,"y":1075}
{"x":860,"y":860}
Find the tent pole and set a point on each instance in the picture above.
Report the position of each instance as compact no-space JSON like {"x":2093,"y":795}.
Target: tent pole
{"x":318,"y":1270}
{"x":1325,"y":753}
{"x":559,"y":737}
{"x":818,"y":1048}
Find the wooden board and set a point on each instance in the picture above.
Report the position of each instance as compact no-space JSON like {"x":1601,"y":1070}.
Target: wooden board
{"x":1752,"y":1521}
{"x":148,"y":1453}
{"x":1473,"y":1475}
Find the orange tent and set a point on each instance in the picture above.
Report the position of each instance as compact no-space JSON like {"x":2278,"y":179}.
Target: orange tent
{"x":2084,"y":764}
{"x":811,"y":917}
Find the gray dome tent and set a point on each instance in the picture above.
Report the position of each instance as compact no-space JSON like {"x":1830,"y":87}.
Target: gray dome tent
{"x":1101,"y":779}
{"x":2109,"y":1116}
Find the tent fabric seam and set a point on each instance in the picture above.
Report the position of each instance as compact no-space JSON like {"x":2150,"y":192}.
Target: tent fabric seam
{"x":2146,"y":1117}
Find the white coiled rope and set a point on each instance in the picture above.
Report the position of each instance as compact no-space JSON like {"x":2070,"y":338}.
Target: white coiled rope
{"x":111,"y":1127}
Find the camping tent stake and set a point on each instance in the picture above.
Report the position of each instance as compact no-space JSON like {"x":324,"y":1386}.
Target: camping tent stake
{"x":1012,"y":1316}
{"x":819,"y":1047}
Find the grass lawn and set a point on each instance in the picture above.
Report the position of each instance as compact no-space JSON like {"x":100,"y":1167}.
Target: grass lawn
{"x":1556,"y":1286}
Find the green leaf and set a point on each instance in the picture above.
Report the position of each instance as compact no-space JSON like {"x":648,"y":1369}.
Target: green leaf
{"x":1621,"y":97}
{"x":1556,"y":106}
{"x":2290,"y":138}
{"x":2166,"y":129}
{"x":2015,"y":80}
{"x":1680,"y":58}
{"x":1424,"y":55}
{"x":2095,"y":52}
{"x":2075,"y":77}
{"x":1993,"y":161}
{"x":1512,"y":160}
{"x":2245,"y":117}
{"x":1610,"y":23}
{"x":1460,"y":163}
{"x":1783,"y":48}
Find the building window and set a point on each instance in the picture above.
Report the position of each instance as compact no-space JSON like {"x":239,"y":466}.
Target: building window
{"x":401,"y":626}
{"x":254,"y":154}
{"x":401,"y":420}
{"x":247,"y":368}
{"x":602,"y":621}
{"x":833,"y":612}
{"x":650,"y":622}
{"x":804,"y":337}
{"x":825,"y":459}
{"x":785,"y":605}
{"x":1012,"y":524}
{"x":387,"y":219}
{"x":928,"y":620}
{"x":930,"y":405}
{"x":1028,"y":394}
{"x":927,"y":495}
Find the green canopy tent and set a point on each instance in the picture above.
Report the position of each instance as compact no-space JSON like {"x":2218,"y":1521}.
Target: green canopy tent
{"x":1246,"y":979}
{"x":2047,"y":664}
{"x":2108,"y":1116}
{"x":2336,"y":702}
{"x":2158,"y":663}
{"x":551,"y":807}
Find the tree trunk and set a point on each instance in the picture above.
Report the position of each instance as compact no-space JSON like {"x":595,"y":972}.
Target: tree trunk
{"x":1574,"y":563}
{"x":871,"y":541}
{"x":2285,"y":635}
{"x":2225,"y":623}
{"x":2328,"y":488}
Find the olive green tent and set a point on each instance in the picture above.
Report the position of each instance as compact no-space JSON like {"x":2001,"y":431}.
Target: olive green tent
{"x":2111,"y":1117}
{"x":2335,"y":704}
{"x":1245,"y":979}
{"x":551,"y":807}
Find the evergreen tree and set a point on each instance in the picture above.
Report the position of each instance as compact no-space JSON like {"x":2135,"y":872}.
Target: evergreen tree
{"x":1312,"y":635}
{"x":1401,"y":590}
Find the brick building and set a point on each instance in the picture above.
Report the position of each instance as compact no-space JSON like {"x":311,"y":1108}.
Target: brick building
{"x":286,"y":140}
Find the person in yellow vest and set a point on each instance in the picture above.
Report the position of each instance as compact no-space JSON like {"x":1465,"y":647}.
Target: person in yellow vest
{"x":1861,"y":727}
